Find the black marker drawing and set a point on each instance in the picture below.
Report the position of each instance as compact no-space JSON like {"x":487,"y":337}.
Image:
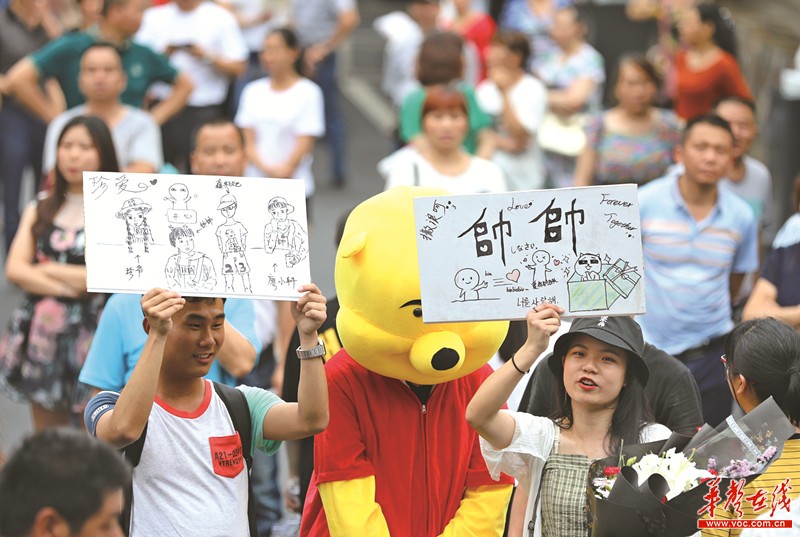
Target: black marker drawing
{"x":283,"y":233}
{"x":232,"y":242}
{"x":588,"y":267}
{"x":139,"y":235}
{"x":180,"y":213}
{"x":469,"y":283}
{"x":596,"y":285}
{"x":539,"y":265}
{"x":188,"y":269}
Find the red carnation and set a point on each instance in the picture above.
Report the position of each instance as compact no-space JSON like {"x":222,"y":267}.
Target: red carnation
{"x":611,"y":471}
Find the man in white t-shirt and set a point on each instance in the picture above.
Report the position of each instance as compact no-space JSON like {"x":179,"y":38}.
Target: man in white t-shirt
{"x":190,"y":479}
{"x":136,"y":135}
{"x":203,"y":40}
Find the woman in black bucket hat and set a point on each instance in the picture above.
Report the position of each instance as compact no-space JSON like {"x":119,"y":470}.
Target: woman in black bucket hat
{"x":601,"y":378}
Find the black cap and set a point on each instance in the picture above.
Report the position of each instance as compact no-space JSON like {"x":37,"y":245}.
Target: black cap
{"x":622,"y":332}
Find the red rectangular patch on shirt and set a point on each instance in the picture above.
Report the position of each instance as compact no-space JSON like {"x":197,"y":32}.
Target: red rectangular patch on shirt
{"x":226,"y":455}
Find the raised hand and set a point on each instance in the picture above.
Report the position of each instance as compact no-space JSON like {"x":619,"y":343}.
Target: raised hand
{"x":159,"y":305}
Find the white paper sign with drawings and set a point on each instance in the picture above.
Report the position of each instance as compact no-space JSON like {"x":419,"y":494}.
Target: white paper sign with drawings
{"x":496,"y":256}
{"x":199,"y":235}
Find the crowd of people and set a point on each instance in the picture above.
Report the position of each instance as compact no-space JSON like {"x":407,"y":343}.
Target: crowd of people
{"x":484,"y":105}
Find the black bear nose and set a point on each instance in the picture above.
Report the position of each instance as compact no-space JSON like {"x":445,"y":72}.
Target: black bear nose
{"x":444,"y":359}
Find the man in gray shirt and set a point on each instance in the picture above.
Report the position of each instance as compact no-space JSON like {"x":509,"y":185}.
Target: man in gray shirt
{"x":322,"y":26}
{"x":136,"y":135}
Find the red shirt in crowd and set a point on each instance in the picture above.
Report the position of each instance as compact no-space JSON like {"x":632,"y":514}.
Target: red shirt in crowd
{"x":698,"y":91}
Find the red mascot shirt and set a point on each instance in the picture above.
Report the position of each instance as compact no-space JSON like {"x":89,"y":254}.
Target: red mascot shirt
{"x":422,"y":456}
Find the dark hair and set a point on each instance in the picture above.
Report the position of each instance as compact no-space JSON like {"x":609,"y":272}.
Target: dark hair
{"x":178,"y":232}
{"x":210,"y":300}
{"x":631,"y":414}
{"x":291,"y":40}
{"x":107,"y":4}
{"x":767,"y":353}
{"x":640,"y":61}
{"x":103,"y":45}
{"x":724,"y":26}
{"x":749,"y":103}
{"x":60,"y":468}
{"x":707,"y":119}
{"x":215,"y":123}
{"x":443,"y":97}
{"x":47,"y":208}
{"x":516,"y":42}
{"x":440,"y":59}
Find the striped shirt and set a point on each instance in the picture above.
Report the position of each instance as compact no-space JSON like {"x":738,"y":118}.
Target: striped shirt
{"x":786,"y":467}
{"x":688,"y":264}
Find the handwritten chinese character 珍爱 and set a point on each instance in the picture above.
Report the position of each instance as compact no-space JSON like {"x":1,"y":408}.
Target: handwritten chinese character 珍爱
{"x":98,"y":186}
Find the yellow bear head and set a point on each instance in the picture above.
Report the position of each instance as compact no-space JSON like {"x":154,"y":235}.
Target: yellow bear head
{"x":380,"y":316}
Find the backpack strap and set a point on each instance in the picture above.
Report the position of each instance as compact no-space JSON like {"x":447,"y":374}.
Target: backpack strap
{"x":236,"y":404}
{"x":131,"y":453}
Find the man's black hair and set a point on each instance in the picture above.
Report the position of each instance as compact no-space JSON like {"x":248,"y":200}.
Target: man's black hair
{"x":708,"y":119}
{"x":749,"y":103}
{"x":215,"y":123}
{"x":60,"y":468}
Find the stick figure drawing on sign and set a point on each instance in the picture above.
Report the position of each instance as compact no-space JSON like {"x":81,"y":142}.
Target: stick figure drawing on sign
{"x":232,"y":241}
{"x":469,"y":283}
{"x":539,"y":261}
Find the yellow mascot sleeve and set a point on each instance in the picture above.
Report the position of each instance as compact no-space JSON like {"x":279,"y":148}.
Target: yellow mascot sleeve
{"x":483,"y":509}
{"x":350,"y":508}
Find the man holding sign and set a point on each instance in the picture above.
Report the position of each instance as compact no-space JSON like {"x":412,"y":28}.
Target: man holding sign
{"x":207,"y":491}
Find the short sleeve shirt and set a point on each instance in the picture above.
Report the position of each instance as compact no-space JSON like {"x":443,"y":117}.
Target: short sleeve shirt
{"x":688,"y":264}
{"x":622,"y":158}
{"x":586,"y":63}
{"x":60,"y":59}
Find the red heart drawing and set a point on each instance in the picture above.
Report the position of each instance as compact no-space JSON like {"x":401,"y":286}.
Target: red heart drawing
{"x":556,"y":262}
{"x":513,"y":275}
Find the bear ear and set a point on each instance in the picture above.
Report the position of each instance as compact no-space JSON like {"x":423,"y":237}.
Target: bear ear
{"x":353,"y":244}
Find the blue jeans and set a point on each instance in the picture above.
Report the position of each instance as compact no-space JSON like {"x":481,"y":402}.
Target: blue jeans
{"x":21,"y":144}
{"x":325,"y":77}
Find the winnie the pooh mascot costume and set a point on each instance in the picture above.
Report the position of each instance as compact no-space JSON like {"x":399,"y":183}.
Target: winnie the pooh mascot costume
{"x":398,"y":458}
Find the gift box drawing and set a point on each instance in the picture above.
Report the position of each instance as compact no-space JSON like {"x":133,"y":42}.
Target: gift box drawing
{"x":601,"y":290}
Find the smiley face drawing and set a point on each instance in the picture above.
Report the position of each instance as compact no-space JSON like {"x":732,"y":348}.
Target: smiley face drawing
{"x":469,"y":283}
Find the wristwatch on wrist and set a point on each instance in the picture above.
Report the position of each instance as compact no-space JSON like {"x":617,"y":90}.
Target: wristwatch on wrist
{"x":314,"y":352}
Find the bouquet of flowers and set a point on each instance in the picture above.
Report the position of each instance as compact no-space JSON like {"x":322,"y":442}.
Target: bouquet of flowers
{"x":659,"y":488}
